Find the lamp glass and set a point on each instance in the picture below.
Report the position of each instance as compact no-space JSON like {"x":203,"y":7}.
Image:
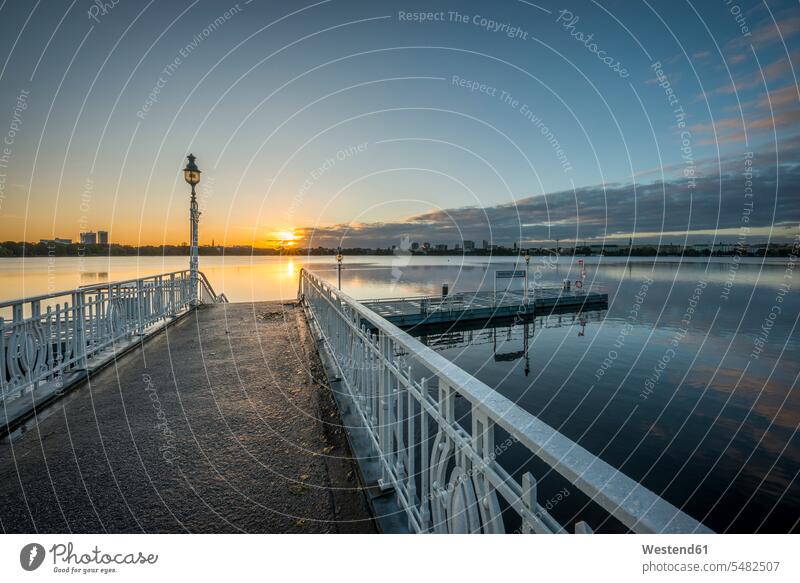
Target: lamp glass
{"x":192,"y":176}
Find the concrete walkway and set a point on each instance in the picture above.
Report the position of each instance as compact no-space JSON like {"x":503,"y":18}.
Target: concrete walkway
{"x":214,"y":425}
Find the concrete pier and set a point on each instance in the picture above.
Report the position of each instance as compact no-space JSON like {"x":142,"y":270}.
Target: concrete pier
{"x":220,"y":423}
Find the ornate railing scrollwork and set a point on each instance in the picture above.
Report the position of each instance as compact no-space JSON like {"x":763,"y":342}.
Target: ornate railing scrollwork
{"x":43,"y":338}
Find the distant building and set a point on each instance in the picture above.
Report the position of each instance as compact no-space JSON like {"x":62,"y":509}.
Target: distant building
{"x":414,"y":246}
{"x":469,"y":245}
{"x":441,"y":247}
{"x":102,"y":237}
{"x":89,"y":238}
{"x":485,"y":245}
{"x":56,"y":241}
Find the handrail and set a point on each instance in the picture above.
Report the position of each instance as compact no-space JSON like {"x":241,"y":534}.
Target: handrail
{"x":104,"y":285}
{"x":217,"y":298}
{"x":50,"y":336}
{"x":459,"y":477}
{"x":88,"y":287}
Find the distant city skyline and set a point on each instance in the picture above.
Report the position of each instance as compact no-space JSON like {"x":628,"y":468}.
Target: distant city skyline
{"x":358,"y":123}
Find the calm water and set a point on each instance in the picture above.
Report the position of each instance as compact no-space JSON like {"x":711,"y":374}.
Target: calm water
{"x":686,"y":383}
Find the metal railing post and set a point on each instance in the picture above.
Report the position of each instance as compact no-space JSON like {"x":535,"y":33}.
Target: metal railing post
{"x":78,"y":300}
{"x":18,"y":321}
{"x":172,"y":300}
{"x":140,"y":306}
{"x":384,"y":430}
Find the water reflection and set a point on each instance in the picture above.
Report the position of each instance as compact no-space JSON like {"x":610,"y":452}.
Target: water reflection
{"x":90,"y":277}
{"x":275,"y":278}
{"x":509,"y":340}
{"x":692,"y":393}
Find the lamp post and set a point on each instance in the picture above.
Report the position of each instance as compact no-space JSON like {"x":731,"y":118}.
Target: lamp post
{"x":339,"y":265}
{"x":527,"y":257}
{"x":192,"y":176}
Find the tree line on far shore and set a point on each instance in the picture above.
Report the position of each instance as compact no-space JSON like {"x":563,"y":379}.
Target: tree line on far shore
{"x":51,"y":249}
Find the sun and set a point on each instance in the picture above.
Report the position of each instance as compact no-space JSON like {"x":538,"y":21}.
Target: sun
{"x":284,"y":238}
{"x":285,"y":235}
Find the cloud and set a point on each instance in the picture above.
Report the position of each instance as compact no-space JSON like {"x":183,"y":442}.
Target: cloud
{"x":717,"y":201}
{"x":736,"y":58}
{"x":783,"y":118}
{"x":777,"y":70}
{"x":768,"y":33}
{"x":730,"y":130}
{"x":780,"y":98}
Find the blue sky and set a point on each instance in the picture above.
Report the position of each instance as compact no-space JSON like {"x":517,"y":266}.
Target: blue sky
{"x":368,"y":122}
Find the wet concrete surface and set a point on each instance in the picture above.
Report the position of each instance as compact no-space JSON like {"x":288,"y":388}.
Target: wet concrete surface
{"x":221,"y":423}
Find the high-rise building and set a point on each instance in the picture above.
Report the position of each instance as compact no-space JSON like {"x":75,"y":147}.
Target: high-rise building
{"x":89,"y":238}
{"x":485,"y":245}
{"x":102,"y":237}
{"x":414,"y":246}
{"x":469,"y":245}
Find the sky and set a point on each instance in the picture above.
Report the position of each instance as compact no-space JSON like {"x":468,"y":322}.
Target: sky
{"x":378,"y":123}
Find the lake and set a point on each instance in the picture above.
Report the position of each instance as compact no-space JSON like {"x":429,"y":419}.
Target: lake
{"x":687,"y":382}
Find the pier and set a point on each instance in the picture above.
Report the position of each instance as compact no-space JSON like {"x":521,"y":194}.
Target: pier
{"x":153,"y":405}
{"x":221,"y":422}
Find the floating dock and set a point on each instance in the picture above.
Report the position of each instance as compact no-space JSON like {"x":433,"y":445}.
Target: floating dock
{"x":466,"y":306}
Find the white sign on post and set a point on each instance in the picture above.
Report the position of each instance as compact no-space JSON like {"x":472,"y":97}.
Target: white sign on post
{"x":512,"y":274}
{"x":509,"y":274}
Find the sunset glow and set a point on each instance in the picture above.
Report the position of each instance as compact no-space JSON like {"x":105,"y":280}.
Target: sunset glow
{"x":357,"y":267}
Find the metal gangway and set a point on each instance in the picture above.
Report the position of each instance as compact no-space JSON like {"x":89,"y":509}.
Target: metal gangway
{"x":398,"y":398}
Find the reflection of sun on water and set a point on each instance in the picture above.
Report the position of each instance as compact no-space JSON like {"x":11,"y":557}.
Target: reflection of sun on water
{"x":290,"y":268}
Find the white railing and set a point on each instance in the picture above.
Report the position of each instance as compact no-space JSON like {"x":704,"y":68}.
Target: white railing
{"x":444,"y":468}
{"x":44,"y":338}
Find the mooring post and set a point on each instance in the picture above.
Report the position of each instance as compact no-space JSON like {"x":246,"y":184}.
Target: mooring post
{"x":527,"y":262}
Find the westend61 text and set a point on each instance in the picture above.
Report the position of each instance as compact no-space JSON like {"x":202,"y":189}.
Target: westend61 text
{"x":675,"y":550}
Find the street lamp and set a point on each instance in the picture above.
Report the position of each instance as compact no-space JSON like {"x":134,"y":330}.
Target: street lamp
{"x":192,"y":176}
{"x":339,"y":265}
